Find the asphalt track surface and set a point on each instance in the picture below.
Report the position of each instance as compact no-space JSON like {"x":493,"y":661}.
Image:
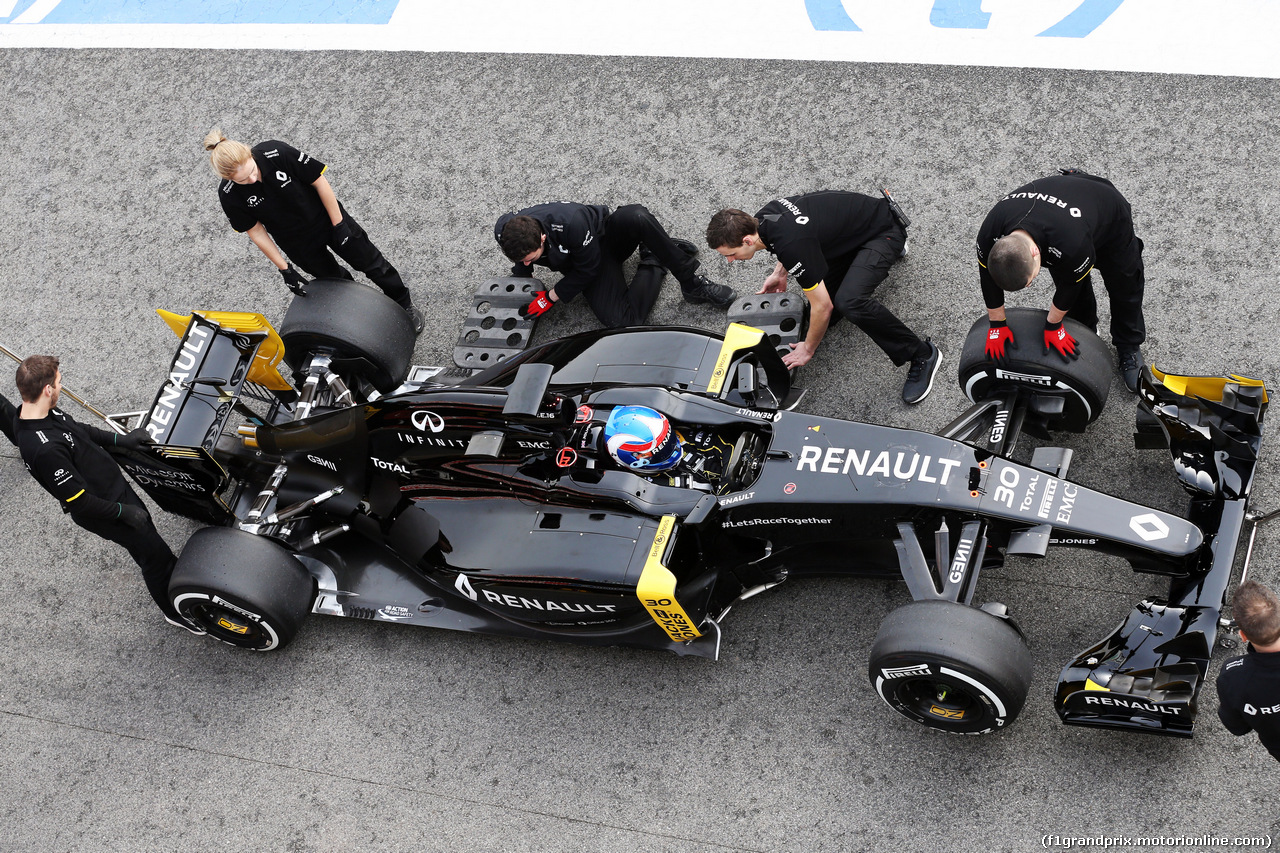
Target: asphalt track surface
{"x":120,"y":733}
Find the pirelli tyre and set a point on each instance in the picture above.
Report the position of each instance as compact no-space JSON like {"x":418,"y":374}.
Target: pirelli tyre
{"x":1082,"y":384}
{"x":951,"y":667}
{"x":243,"y":589}
{"x":350,"y":320}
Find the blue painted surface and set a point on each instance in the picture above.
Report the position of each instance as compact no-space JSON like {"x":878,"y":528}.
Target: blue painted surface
{"x":214,"y":12}
{"x":1084,"y":20}
{"x":959,"y":14}
{"x":830,"y":15}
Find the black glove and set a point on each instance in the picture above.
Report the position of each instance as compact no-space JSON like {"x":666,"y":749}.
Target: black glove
{"x":133,"y":516}
{"x":295,"y":280}
{"x":342,"y":232}
{"x":522,"y":270}
{"x":136,"y":440}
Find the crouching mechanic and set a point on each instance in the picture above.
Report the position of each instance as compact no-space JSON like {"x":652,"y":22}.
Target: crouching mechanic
{"x":1249,"y":686}
{"x":1068,"y":223}
{"x":839,"y":247}
{"x":67,"y":458}
{"x":587,"y":244}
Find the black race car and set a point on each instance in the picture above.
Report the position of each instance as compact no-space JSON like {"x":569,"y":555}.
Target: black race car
{"x":497,"y":502}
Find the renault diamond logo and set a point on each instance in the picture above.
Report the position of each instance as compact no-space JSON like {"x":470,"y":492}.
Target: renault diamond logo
{"x":1149,"y":527}
{"x":463,"y":585}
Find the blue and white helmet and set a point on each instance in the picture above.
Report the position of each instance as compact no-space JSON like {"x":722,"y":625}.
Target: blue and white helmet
{"x":641,"y":439}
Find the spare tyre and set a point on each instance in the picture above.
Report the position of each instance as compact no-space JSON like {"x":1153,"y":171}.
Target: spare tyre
{"x":1083,"y":384}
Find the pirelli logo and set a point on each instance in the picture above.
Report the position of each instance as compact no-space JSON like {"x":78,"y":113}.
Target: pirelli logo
{"x":657,"y":588}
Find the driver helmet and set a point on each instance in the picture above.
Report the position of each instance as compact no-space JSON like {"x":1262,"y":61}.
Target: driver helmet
{"x":641,"y":439}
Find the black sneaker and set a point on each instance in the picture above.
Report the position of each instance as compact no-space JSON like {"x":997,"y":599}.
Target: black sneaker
{"x":189,"y":626}
{"x":920,"y":375}
{"x":704,"y":289}
{"x":1131,"y":363}
{"x":416,"y":317}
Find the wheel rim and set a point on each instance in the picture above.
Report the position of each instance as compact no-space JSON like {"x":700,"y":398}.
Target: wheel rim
{"x":228,"y":623}
{"x":935,"y":700}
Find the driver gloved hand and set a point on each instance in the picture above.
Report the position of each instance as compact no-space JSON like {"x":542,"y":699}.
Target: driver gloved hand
{"x":133,"y":516}
{"x":1060,"y":340}
{"x":295,"y":280}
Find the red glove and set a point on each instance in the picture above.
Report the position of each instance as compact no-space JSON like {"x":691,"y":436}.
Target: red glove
{"x":1059,"y":339}
{"x":540,"y":305}
{"x":998,"y":336}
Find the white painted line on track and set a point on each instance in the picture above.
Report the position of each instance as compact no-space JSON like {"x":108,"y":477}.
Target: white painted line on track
{"x":1226,"y":37}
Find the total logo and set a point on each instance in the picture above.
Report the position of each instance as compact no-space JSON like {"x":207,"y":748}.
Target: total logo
{"x":389,"y":466}
{"x":425,"y":421}
{"x":1149,"y":527}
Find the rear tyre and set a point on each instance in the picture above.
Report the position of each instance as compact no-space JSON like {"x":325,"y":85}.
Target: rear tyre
{"x":951,"y":667}
{"x":242,"y":589}
{"x":1083,"y":383}
{"x":350,"y":321}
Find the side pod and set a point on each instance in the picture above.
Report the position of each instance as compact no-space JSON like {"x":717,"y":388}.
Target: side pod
{"x":1147,"y":674}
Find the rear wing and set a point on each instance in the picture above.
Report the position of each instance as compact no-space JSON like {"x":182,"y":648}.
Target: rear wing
{"x":1147,"y":675}
{"x":222,"y":357}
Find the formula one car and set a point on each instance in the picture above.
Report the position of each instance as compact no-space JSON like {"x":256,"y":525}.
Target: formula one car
{"x":631,"y":486}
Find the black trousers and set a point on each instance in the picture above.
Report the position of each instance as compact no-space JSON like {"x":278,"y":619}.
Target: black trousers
{"x":1125,"y":280}
{"x":311,"y":253}
{"x":147,"y":548}
{"x":854,"y":296}
{"x":630,"y":227}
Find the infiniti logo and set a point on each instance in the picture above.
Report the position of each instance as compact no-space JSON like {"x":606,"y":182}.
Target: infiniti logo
{"x":427,"y":421}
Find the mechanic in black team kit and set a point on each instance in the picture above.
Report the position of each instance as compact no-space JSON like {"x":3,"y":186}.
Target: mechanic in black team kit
{"x":280,"y":197}
{"x":839,"y":247}
{"x":1249,"y":686}
{"x":1068,"y":223}
{"x":8,"y":412}
{"x":587,"y":244}
{"x":67,"y":458}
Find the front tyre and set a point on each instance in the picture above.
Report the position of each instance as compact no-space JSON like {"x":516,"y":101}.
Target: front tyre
{"x":951,"y":667}
{"x":243,"y":589}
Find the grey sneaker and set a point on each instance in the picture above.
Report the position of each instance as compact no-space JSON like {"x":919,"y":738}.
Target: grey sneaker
{"x":920,"y":375}
{"x":906,"y":247}
{"x":703,"y":289}
{"x":1130,"y":360}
